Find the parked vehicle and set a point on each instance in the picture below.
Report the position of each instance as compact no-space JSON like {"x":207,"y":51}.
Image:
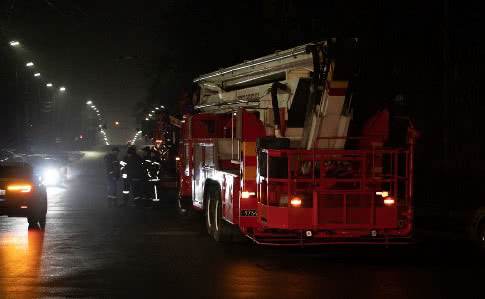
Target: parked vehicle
{"x":22,"y":194}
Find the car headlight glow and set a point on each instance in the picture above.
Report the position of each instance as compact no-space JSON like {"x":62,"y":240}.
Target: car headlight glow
{"x":51,"y":176}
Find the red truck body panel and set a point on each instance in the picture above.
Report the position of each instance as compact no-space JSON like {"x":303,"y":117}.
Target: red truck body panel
{"x":343,"y":199}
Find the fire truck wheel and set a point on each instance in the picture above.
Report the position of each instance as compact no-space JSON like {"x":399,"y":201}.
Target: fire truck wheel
{"x":209,"y":212}
{"x":222,"y":231}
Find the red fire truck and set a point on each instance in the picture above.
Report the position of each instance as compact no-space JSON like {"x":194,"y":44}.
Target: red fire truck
{"x":268,"y":154}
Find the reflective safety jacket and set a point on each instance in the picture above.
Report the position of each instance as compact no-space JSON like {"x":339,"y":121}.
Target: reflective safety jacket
{"x":132,"y":167}
{"x":152,"y":168}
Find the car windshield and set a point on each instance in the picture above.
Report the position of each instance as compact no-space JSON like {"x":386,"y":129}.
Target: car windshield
{"x":15,"y":172}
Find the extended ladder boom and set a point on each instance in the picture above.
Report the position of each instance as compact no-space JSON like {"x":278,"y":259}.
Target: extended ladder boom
{"x":293,"y":90}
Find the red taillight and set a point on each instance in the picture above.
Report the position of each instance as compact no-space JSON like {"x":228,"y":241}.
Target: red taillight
{"x":389,"y":201}
{"x":295,"y":202}
{"x":23,"y":188}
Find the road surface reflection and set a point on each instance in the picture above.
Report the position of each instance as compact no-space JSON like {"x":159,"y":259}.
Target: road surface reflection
{"x":20,"y":262}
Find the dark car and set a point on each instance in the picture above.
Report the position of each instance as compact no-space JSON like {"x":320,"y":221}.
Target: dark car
{"x":22,"y":194}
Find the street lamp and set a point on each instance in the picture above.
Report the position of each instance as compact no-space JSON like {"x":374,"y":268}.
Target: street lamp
{"x":89,"y":102}
{"x":92,"y":106}
{"x":37,"y":75}
{"x":117,"y":123}
{"x":49,"y":85}
{"x":146,"y":118}
{"x":62,"y":88}
{"x":14,"y":43}
{"x":29,"y":64}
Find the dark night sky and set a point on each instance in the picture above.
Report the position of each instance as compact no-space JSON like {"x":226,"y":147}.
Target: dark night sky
{"x":87,"y":44}
{"x":111,"y":51}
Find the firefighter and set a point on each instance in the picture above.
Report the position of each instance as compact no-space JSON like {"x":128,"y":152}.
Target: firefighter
{"x":113,"y":174}
{"x":133,"y":176}
{"x":147,"y":164}
{"x":154,"y":175}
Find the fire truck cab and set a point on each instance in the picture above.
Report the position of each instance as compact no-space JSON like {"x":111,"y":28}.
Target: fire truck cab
{"x":268,"y":154}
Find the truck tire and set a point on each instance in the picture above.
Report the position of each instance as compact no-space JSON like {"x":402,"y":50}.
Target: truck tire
{"x":209,"y":212}
{"x":222,"y":231}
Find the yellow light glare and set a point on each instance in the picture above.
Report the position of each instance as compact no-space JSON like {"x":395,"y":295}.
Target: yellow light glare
{"x":247,"y":194}
{"x":19,"y":188}
{"x":383,"y":193}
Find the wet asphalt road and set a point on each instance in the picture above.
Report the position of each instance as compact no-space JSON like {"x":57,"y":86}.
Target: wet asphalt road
{"x":90,"y":251}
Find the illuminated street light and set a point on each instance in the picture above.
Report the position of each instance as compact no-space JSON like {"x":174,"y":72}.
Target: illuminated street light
{"x":37,"y":75}
{"x":49,"y":85}
{"x":117,"y":123}
{"x":156,"y":108}
{"x":153,"y":111}
{"x":92,"y":106}
{"x":62,"y":88}
{"x":14,"y":43}
{"x":149,"y":115}
{"x":89,"y":102}
{"x":146,"y":118}
{"x":29,"y":64}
